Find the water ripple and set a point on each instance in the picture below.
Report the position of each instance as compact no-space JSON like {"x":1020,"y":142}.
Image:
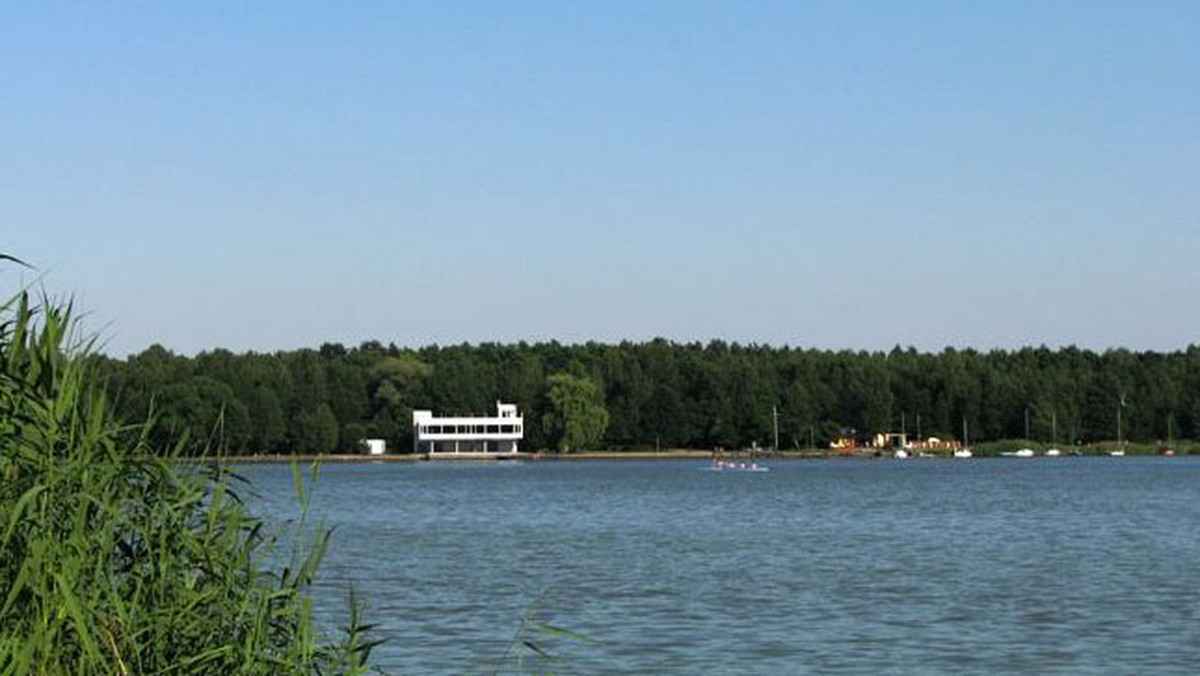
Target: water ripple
{"x":829,"y":567}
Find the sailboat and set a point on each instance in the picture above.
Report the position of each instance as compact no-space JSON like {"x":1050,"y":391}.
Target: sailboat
{"x":1169,"y":450}
{"x":901,"y":450}
{"x":965,"y":451}
{"x":1053,"y":451}
{"x":1024,"y":452}
{"x":1120,"y":452}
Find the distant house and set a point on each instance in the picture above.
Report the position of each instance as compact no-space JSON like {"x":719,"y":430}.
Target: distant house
{"x":468,"y":434}
{"x":844,"y":444}
{"x":901,"y":440}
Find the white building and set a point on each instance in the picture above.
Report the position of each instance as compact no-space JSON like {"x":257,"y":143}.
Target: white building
{"x":375,"y":446}
{"x":468,"y":434}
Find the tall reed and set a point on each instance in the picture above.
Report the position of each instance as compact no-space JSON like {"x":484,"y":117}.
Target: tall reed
{"x":117,"y":559}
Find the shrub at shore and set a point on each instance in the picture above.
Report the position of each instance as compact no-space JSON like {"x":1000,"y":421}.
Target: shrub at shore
{"x":114,"y":558}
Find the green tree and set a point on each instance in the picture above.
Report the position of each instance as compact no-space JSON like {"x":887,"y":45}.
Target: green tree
{"x":523,"y":383}
{"x":575,"y":415}
{"x":205,"y":412}
{"x":348,"y":398}
{"x":396,"y":383}
{"x":682,"y":395}
{"x":316,"y":430}
{"x":266,"y":415}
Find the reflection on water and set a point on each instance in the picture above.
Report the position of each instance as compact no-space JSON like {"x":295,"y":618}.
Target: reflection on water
{"x":1067,"y":566}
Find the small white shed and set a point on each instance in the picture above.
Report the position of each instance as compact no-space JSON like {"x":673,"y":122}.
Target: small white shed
{"x":375,"y":446}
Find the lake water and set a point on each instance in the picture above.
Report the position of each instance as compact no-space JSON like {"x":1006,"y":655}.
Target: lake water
{"x":1046,"y":566}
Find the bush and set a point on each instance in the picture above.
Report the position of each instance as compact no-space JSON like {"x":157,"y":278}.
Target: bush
{"x":118,"y":558}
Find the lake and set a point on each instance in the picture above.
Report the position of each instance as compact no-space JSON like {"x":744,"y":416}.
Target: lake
{"x":985,"y":566}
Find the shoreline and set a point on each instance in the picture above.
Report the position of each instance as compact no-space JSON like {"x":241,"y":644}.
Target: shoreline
{"x":673,"y":454}
{"x":465,"y":457}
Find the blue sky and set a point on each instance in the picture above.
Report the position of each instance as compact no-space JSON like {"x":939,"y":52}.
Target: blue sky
{"x":262,"y":176}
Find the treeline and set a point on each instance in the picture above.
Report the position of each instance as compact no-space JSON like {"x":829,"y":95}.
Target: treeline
{"x":660,"y":393}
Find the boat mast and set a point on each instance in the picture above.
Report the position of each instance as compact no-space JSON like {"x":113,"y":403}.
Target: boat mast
{"x":1120,"y":406}
{"x":775,"y":416}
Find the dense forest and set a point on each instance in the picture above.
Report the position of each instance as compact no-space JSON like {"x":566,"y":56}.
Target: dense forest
{"x":660,"y":393}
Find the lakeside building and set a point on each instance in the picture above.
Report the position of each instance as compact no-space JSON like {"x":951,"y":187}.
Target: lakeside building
{"x":468,"y":434}
{"x":847,"y":444}
{"x":901,"y":440}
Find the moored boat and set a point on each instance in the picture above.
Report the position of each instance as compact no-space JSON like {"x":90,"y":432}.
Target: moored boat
{"x":965,"y":450}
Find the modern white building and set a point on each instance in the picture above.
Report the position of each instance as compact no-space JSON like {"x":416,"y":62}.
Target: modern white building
{"x":468,"y":434}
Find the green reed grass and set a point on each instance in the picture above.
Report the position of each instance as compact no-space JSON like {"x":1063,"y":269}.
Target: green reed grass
{"x":115,"y":558}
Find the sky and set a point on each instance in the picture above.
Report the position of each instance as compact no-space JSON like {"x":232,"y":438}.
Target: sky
{"x":838,"y":175}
